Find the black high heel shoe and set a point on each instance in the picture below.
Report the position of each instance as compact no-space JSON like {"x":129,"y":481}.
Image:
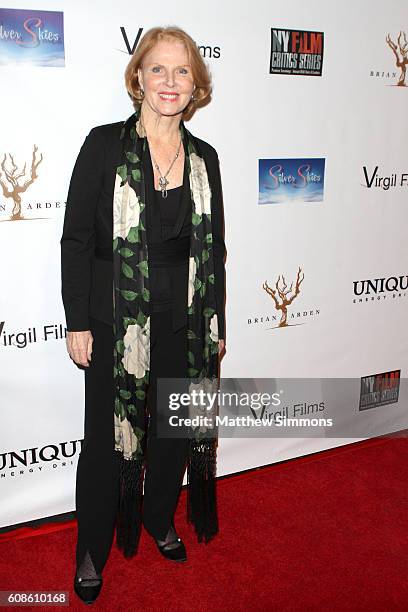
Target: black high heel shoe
{"x":174,"y":553}
{"x":89,"y":582}
{"x":87,"y":589}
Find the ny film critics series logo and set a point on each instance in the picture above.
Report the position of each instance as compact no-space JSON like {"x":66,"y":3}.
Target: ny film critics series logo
{"x":379,"y":389}
{"x":17,"y":175}
{"x":31,"y":37}
{"x":207,"y":51}
{"x":394,"y":71}
{"x":283,"y":312}
{"x":296,"y":52}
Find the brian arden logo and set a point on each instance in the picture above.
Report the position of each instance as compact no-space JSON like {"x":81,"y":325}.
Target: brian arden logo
{"x":282,"y":297}
{"x":291,"y":180}
{"x":374,"y":179}
{"x":396,"y":76}
{"x":32,"y":37}
{"x":379,"y":389}
{"x":376,"y":289}
{"x":207,"y":51}
{"x":31,"y":335}
{"x":15,"y":180}
{"x":296,"y":52}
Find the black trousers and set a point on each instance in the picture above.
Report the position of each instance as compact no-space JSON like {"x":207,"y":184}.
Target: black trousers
{"x":97,"y":479}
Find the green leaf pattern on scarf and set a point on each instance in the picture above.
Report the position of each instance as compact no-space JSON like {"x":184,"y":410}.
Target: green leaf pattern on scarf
{"x":131,"y":290}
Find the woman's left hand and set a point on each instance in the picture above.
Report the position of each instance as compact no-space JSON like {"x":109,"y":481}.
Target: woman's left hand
{"x":221,"y":348}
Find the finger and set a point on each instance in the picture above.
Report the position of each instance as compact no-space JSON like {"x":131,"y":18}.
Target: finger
{"x":80,"y":357}
{"x":89,"y":351}
{"x":85,"y":364}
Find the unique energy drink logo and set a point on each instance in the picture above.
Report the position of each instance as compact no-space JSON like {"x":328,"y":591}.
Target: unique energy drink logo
{"x":291,"y":180}
{"x":20,"y":462}
{"x":33,"y":37}
{"x":296,"y":52}
{"x":379,"y":389}
{"x":380,"y":289}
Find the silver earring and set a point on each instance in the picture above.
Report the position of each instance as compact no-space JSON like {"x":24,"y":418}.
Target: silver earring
{"x":142,"y":92}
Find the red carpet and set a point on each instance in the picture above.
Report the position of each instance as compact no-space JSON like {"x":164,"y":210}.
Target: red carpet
{"x":325,"y":532}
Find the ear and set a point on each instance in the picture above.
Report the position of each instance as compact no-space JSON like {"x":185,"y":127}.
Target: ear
{"x":139,"y":76}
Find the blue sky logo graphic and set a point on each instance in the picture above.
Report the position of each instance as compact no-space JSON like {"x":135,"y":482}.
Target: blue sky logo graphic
{"x":291,"y":180}
{"x":31,"y":37}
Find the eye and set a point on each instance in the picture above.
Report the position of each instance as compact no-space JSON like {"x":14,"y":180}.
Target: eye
{"x":183,"y":71}
{"x":156,"y":68}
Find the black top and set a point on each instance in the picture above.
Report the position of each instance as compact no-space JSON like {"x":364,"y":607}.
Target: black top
{"x":161,"y":288}
{"x":86,"y":243}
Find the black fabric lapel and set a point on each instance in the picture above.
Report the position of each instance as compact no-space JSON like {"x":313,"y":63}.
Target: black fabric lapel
{"x":154,"y":228}
{"x":185,"y":204}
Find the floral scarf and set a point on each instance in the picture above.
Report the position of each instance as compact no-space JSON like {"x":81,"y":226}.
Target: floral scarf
{"x":131,"y":297}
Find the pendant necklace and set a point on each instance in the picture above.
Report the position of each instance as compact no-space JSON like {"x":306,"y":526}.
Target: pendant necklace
{"x":163,"y":182}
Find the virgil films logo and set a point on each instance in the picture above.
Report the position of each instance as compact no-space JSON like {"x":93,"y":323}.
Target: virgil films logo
{"x":296,"y":52}
{"x":379,"y":389}
{"x":291,"y":180}
{"x":373,"y":178}
{"x":207,"y":51}
{"x":281,"y":298}
{"x":31,"y":335}
{"x":296,"y":411}
{"x":32,"y":37}
{"x":16,"y":178}
{"x":380,"y":289}
{"x":394,"y":71}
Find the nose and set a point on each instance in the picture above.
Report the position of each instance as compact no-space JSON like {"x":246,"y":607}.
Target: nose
{"x":169,"y":78}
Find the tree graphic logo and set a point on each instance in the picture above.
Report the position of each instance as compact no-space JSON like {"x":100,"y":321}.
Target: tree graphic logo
{"x":284,"y":296}
{"x":15,"y":182}
{"x":400,"y":50}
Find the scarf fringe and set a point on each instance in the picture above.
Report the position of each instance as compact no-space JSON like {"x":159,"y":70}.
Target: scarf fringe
{"x":201,"y":489}
{"x":129,"y":516}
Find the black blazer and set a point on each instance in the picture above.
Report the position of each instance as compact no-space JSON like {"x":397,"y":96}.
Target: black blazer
{"x":87,"y":277}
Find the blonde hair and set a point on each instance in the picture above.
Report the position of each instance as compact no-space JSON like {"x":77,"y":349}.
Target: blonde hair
{"x":200,"y":72}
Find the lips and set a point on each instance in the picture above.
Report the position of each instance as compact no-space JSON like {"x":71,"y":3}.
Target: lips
{"x":168,"y":96}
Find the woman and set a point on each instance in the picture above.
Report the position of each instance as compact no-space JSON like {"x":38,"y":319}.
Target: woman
{"x":164,"y":316}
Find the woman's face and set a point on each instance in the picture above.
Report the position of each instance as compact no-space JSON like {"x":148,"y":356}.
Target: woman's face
{"x":166,"y":78}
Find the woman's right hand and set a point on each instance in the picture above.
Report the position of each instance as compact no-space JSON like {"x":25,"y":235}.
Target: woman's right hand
{"x":79,"y":345}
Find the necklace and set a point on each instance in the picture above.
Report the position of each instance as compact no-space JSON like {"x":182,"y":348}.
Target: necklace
{"x":163,"y":182}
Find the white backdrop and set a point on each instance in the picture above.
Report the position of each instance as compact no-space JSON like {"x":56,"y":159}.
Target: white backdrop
{"x":352,"y":116}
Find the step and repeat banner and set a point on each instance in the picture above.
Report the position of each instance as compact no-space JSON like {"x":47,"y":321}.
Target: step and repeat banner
{"x":308,"y":117}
